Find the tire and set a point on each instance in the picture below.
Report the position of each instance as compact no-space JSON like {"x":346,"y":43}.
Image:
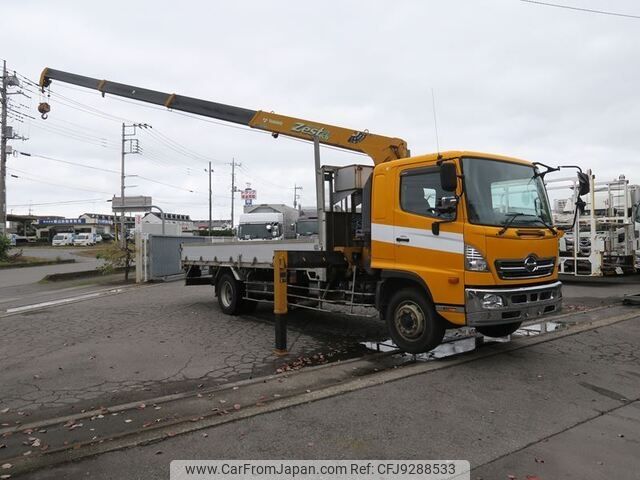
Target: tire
{"x":413,"y":323}
{"x":499,"y":330}
{"x":229,"y":292}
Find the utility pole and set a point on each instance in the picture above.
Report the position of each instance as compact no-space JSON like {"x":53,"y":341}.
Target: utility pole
{"x":3,"y":153}
{"x":123,"y":235}
{"x":133,"y":147}
{"x":6,"y":133}
{"x":295,"y":195}
{"x":233,"y":164}
{"x":210,"y":196}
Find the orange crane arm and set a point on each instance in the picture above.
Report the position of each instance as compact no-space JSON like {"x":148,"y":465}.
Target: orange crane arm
{"x":379,"y":147}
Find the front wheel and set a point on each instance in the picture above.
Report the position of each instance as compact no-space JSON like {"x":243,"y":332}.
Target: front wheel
{"x":413,"y":323}
{"x":499,"y":330}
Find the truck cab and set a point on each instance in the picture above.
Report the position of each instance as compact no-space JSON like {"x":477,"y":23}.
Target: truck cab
{"x":261,"y":226}
{"x":307,"y":226}
{"x":484,"y":252}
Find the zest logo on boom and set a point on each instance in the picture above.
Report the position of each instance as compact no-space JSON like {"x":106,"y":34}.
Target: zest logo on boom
{"x":300,"y":127}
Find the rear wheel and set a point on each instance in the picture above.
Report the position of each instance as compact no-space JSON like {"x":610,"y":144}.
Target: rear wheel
{"x":413,"y":323}
{"x":499,"y":330}
{"x":229,"y":294}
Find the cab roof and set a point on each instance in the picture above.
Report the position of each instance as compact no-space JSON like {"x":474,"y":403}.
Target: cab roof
{"x":456,"y":154}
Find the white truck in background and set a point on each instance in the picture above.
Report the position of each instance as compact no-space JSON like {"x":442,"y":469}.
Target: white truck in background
{"x":307,"y":223}
{"x":607,"y":229}
{"x":261,"y":226}
{"x":268,"y":225}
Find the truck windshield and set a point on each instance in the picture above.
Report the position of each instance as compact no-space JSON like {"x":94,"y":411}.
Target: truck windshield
{"x":497,"y":190}
{"x":253,"y":231}
{"x":307,"y":227}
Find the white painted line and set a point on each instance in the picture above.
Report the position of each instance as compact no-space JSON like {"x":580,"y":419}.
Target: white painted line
{"x":63,"y":300}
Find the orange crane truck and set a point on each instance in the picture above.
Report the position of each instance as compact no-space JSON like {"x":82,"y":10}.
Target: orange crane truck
{"x":431,"y":242}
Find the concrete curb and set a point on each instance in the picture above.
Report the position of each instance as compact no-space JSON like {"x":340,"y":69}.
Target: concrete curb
{"x":58,"y":277}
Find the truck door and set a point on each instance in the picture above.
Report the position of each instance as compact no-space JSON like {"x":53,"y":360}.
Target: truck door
{"x":437,"y":259}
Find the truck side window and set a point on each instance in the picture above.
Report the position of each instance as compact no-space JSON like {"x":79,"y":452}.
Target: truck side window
{"x":421,"y":192}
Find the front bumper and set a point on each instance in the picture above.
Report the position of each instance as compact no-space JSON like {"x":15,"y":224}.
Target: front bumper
{"x":518,"y":304}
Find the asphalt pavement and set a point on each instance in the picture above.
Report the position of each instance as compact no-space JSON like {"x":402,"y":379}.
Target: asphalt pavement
{"x":14,"y":277}
{"x":152,"y":340}
{"x":563,"y":408}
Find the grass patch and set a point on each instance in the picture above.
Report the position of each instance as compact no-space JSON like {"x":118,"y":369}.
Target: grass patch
{"x":22,"y":259}
{"x":91,"y":252}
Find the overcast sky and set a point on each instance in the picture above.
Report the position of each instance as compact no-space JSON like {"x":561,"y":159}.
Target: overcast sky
{"x":540,"y":83}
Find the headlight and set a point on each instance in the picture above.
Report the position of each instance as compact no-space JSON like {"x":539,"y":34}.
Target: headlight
{"x":473,"y":260}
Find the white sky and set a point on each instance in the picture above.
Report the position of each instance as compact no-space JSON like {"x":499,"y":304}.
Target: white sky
{"x":536,"y":82}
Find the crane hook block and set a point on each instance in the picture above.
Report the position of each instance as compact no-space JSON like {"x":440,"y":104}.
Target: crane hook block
{"x":44,"y":108}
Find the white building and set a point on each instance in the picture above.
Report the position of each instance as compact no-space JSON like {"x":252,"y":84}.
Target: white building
{"x":183,"y":221}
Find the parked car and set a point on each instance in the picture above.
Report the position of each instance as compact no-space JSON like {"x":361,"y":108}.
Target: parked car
{"x":107,"y":237}
{"x":62,"y":239}
{"x":84,"y":239}
{"x":97,"y":238}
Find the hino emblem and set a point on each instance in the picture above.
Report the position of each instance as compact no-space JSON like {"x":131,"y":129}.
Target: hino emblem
{"x":530,"y":264}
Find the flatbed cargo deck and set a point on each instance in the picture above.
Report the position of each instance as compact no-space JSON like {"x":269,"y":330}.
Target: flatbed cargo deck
{"x":241,"y":254}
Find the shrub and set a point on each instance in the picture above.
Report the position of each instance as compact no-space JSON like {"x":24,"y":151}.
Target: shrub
{"x":5,"y":246}
{"x":115,"y":257}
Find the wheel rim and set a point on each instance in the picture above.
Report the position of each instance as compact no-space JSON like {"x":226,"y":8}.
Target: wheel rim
{"x":410,"y":320}
{"x":226,"y":294}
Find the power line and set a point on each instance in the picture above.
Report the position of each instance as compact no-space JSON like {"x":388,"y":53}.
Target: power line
{"x":62,"y":202}
{"x":103,"y":143}
{"x":580,"y":9}
{"x":180,"y":149}
{"x":165,"y":184}
{"x":262,"y":180}
{"x":75,"y":164}
{"x":159,"y":136}
{"x":93,"y":132}
{"x":26,"y":176}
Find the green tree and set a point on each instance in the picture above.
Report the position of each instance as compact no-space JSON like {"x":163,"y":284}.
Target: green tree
{"x":5,"y":246}
{"x":115,"y":257}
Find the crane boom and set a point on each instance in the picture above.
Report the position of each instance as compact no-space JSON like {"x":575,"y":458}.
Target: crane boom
{"x":379,"y":147}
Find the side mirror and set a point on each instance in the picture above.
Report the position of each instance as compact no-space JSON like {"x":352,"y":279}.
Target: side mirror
{"x":583,"y":183}
{"x":447,"y":205}
{"x":448,"y":177}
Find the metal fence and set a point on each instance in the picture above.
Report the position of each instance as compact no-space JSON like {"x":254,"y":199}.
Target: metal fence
{"x":161,"y":255}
